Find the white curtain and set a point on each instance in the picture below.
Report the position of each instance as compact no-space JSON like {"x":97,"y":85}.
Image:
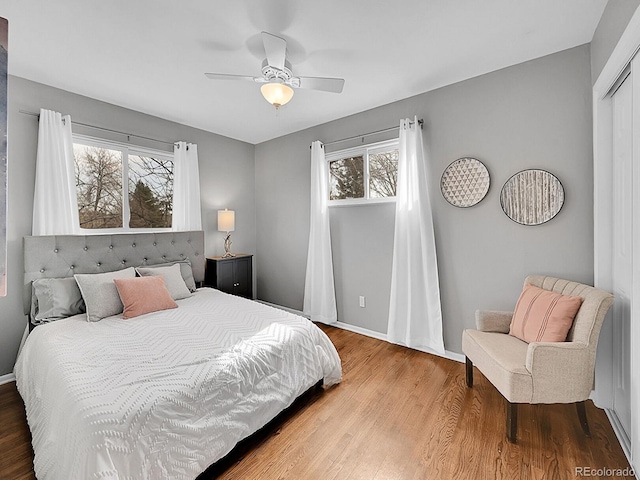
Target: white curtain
{"x":415,"y":317}
{"x":186,"y":213}
{"x":319,"y":290}
{"x":55,"y":202}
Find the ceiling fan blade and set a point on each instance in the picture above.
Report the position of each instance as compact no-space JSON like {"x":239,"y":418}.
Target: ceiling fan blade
{"x":226,"y":76}
{"x":276,"y":50}
{"x":333,"y":85}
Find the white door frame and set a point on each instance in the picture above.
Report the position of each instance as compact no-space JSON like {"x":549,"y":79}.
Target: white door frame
{"x":622,"y":55}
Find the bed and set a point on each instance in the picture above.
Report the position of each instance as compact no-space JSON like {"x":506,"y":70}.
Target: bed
{"x":161,"y":395}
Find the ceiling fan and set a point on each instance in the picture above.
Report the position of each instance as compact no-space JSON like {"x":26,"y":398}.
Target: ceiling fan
{"x":277,"y":78}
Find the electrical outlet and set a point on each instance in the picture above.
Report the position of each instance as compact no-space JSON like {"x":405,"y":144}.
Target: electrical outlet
{"x":362,"y":304}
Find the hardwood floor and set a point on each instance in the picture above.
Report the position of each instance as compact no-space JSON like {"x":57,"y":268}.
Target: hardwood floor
{"x":16,"y":455}
{"x":398,"y":414}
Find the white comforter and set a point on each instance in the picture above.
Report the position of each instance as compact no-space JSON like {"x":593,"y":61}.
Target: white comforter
{"x":166,"y":394}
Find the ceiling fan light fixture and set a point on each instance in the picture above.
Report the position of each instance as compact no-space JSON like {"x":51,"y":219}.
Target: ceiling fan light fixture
{"x":277,"y":94}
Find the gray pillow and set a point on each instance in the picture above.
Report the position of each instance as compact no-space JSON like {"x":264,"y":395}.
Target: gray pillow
{"x":185,"y":270}
{"x":100,"y":293}
{"x":172,"y":279}
{"x":55,"y":298}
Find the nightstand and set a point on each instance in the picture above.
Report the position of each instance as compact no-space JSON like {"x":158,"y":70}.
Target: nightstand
{"x":231,"y":275}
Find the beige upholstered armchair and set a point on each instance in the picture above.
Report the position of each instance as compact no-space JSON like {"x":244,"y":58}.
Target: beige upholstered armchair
{"x":539,"y":372}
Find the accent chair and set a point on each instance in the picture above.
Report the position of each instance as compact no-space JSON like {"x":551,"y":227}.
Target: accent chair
{"x":539,"y":372}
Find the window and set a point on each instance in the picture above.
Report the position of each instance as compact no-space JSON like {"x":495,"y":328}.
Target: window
{"x":122,"y":187}
{"x":363,"y":174}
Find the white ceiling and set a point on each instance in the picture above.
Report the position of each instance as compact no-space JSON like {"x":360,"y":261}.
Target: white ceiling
{"x":150,"y":55}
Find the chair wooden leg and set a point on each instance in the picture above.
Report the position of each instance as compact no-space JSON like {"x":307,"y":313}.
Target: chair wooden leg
{"x":582,"y":415}
{"x":512,"y":422}
{"x":469,"y":372}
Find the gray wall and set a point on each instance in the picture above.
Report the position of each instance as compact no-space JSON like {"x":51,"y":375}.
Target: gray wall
{"x":537,"y":114}
{"x":532,"y":115}
{"x":614,"y":20}
{"x":226,"y":180}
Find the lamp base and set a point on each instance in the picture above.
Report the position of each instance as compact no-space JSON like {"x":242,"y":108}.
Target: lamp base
{"x":227,"y":247}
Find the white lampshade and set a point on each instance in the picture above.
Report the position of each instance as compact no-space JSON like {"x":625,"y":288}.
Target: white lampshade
{"x":277,"y":94}
{"x":226,"y":220}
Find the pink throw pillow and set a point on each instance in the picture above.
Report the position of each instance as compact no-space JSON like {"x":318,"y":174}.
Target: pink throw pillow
{"x":543,"y":316}
{"x":142,"y":295}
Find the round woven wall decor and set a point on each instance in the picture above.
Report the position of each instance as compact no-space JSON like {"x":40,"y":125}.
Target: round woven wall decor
{"x":465,"y":182}
{"x":532,"y":197}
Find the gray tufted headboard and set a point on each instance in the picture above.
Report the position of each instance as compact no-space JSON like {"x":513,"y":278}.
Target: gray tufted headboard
{"x":65,"y":255}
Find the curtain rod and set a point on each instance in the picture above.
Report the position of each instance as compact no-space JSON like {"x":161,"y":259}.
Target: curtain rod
{"x":106,"y":129}
{"x":390,"y":129}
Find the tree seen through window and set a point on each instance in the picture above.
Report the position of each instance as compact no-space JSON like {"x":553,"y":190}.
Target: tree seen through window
{"x":150,"y":192}
{"x":347,"y":176}
{"x":383,"y":174}
{"x":98,"y":186}
{"x":100,"y":189}
{"x":367,"y":172}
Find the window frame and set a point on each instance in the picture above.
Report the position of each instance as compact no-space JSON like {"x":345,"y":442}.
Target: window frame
{"x":126,"y":150}
{"x":364,"y":151}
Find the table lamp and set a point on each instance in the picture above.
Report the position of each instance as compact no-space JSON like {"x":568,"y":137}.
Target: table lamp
{"x":227,"y":223}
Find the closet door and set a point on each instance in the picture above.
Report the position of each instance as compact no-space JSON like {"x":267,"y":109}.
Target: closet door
{"x":622,"y":255}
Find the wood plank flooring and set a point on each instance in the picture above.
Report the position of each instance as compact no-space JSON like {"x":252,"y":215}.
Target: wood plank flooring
{"x":398,"y":414}
{"x":16,"y":455}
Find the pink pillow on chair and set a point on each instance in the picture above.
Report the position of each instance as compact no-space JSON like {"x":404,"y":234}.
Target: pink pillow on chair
{"x":142,"y":295}
{"x":543,"y":316}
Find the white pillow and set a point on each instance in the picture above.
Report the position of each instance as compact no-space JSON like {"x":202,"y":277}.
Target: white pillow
{"x":100,"y":293}
{"x":185,"y":269}
{"x":172,"y":279}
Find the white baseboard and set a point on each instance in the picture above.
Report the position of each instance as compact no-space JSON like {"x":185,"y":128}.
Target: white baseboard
{"x":361,"y":330}
{"x":458,"y":357}
{"x":8,"y":378}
